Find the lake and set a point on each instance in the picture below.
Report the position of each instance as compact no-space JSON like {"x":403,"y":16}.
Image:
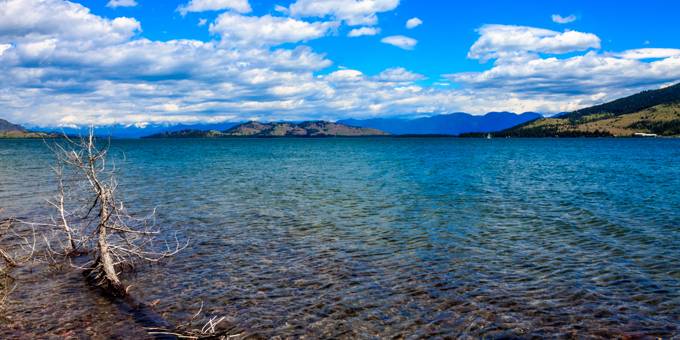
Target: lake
{"x":382,"y":237}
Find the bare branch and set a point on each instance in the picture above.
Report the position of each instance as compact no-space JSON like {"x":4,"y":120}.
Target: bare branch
{"x":13,"y":260}
{"x":197,"y":329}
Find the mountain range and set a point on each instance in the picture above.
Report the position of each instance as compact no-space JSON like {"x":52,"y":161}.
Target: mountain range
{"x":135,"y":131}
{"x":280,"y":129}
{"x":654,"y":112}
{"x":449,"y":124}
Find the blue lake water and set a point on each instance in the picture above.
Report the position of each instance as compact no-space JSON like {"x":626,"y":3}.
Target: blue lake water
{"x":383,"y":237}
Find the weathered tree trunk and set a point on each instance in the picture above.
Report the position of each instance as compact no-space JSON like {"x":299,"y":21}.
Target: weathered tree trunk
{"x":104,"y":267}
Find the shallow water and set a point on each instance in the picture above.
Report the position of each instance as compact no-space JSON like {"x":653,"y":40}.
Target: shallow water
{"x":392,"y":237}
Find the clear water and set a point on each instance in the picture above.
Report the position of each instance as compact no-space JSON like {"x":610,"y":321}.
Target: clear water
{"x":387,"y":237}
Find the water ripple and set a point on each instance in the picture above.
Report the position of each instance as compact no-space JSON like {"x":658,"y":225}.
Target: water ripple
{"x":376,"y":238}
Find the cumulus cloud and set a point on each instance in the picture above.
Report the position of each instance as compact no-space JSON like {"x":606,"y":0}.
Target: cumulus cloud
{"x":345,"y":75}
{"x":502,"y":40}
{"x":569,"y":82}
{"x":32,"y":20}
{"x":399,"y":74}
{"x":358,"y":32}
{"x":63,"y":65}
{"x":121,"y":3}
{"x":281,"y":9}
{"x":353,"y":12}
{"x":589,"y":73}
{"x":649,"y":53}
{"x":400,"y":41}
{"x":240,"y":6}
{"x":4,"y":47}
{"x":558,"y":19}
{"x":53,"y":74}
{"x":413,"y":23}
{"x":267,"y":30}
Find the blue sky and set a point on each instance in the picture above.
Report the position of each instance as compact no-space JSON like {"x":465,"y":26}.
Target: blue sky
{"x":141,"y":61}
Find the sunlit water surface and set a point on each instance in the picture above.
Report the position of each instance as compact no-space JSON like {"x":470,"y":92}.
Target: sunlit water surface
{"x":382,"y":237}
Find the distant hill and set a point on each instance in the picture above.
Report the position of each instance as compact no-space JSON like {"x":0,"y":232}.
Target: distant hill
{"x":449,"y":124}
{"x":9,"y":130}
{"x":279,"y":129}
{"x":631,"y":104}
{"x":650,"y":112}
{"x":189,"y":133}
{"x":6,"y":126}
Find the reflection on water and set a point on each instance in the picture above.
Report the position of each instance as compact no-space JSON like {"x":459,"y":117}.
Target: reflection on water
{"x":388,"y":237}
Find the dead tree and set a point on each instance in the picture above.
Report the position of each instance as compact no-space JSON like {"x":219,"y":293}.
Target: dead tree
{"x":96,"y":221}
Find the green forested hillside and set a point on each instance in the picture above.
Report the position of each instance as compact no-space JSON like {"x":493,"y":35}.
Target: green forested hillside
{"x":632,"y":104}
{"x":651,"y":112}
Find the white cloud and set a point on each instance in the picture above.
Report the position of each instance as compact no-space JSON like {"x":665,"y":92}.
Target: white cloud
{"x":63,"y":65}
{"x":413,"y":23}
{"x":503,"y":40}
{"x":649,"y":53}
{"x":558,"y":19}
{"x":37,"y":50}
{"x":345,"y":75}
{"x":399,"y":74}
{"x":281,"y":9}
{"x":358,"y":32}
{"x":240,"y":6}
{"x":121,"y":3}
{"x":353,"y":12}
{"x":267,"y":30}
{"x":589,"y":73}
{"x":531,"y":82}
{"x":202,"y":21}
{"x":54,"y":74}
{"x":577,"y":80}
{"x":32,"y":21}
{"x":400,"y":41}
{"x":4,"y":47}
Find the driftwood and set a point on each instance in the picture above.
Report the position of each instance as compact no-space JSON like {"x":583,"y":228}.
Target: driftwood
{"x":95,"y":220}
{"x":201,"y":326}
